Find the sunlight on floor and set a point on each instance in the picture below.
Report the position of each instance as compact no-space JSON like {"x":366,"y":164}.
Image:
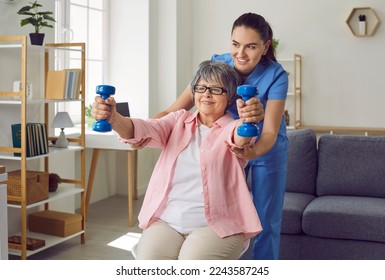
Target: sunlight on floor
{"x":126,"y":242}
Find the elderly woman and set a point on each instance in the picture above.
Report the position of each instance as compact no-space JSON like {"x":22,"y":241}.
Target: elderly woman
{"x":197,"y":205}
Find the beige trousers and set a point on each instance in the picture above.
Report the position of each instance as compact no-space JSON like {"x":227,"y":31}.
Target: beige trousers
{"x":161,"y":242}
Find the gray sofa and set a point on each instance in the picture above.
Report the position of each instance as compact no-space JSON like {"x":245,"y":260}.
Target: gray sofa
{"x":334,"y":204}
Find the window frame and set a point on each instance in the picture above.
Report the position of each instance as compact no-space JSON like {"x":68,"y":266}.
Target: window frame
{"x":64,"y":34}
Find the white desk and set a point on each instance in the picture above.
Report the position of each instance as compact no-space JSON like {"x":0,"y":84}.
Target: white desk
{"x":109,"y":141}
{"x":3,"y":219}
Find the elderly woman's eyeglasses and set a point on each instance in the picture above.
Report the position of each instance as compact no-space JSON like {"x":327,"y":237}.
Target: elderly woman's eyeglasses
{"x":212,"y":90}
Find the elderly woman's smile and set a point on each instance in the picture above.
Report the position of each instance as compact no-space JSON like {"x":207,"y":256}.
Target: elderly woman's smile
{"x":211,"y":100}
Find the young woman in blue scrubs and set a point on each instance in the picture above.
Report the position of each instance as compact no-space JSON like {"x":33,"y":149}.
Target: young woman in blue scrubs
{"x":253,"y":57}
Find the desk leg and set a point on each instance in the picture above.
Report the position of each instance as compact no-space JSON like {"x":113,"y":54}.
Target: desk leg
{"x":130,"y":173}
{"x":132,"y":179}
{"x":95,"y":156}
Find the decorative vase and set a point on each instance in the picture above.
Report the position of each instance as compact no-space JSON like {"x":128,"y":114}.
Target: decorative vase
{"x":53,"y":182}
{"x":362,"y":28}
{"x":362,"y":25}
{"x":37,"y":38}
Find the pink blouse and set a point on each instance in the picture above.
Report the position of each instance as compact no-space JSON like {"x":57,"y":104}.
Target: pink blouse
{"x":229,"y":208}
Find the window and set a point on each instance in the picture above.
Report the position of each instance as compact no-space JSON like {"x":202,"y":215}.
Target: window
{"x":83,"y":21}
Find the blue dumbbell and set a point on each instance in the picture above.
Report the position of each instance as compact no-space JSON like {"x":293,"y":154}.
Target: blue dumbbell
{"x":105,"y":91}
{"x":247,"y":129}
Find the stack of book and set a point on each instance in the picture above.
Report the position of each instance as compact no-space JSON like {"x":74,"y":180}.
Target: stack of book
{"x":14,"y":242}
{"x":64,"y":84}
{"x":37,"y":138}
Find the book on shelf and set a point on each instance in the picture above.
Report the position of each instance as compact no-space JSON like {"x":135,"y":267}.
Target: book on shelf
{"x":36,"y":138}
{"x":63,"y":84}
{"x":2,"y":169}
{"x":14,"y":242}
{"x":55,"y":85}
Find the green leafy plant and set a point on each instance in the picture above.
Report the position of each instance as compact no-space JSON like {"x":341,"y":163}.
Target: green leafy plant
{"x":89,"y":119}
{"x":275,"y":43}
{"x":88,"y":110}
{"x":36,"y":18}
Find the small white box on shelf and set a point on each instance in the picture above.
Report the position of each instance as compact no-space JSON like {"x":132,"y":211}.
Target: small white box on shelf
{"x":29,"y":88}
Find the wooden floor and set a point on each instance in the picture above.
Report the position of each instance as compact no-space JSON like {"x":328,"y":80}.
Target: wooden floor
{"x":107,"y":221}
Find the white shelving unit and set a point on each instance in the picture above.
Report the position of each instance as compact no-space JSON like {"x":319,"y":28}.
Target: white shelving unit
{"x":294,"y":96}
{"x":52,"y":151}
{"x":50,"y":241}
{"x":60,"y":193}
{"x":3,"y":219}
{"x":19,"y":110}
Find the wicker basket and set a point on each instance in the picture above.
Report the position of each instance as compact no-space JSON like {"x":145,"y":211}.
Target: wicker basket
{"x":37,"y":186}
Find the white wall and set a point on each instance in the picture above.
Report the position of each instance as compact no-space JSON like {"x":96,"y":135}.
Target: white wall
{"x":147,"y":60}
{"x":131,"y":74}
{"x":10,"y":20}
{"x":129,"y":48}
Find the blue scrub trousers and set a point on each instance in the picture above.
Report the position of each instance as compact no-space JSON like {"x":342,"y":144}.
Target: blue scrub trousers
{"x":268,"y":181}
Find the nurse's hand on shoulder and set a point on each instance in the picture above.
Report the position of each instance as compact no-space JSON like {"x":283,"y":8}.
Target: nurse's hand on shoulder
{"x":251,"y":110}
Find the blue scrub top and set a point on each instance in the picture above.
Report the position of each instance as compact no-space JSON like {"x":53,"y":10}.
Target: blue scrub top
{"x":272,"y":83}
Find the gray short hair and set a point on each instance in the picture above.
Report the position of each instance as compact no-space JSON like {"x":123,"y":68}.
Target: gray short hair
{"x":221,"y":72}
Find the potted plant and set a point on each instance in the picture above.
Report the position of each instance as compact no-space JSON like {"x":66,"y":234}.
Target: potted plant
{"x":38,"y":19}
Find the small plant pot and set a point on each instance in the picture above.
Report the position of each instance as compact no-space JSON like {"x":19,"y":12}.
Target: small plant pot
{"x":37,"y":38}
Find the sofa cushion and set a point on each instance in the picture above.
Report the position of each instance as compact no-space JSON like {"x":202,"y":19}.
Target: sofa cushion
{"x":293,"y":207}
{"x":346,"y":217}
{"x":315,"y":248}
{"x":302,"y":161}
{"x":351,"y":165}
